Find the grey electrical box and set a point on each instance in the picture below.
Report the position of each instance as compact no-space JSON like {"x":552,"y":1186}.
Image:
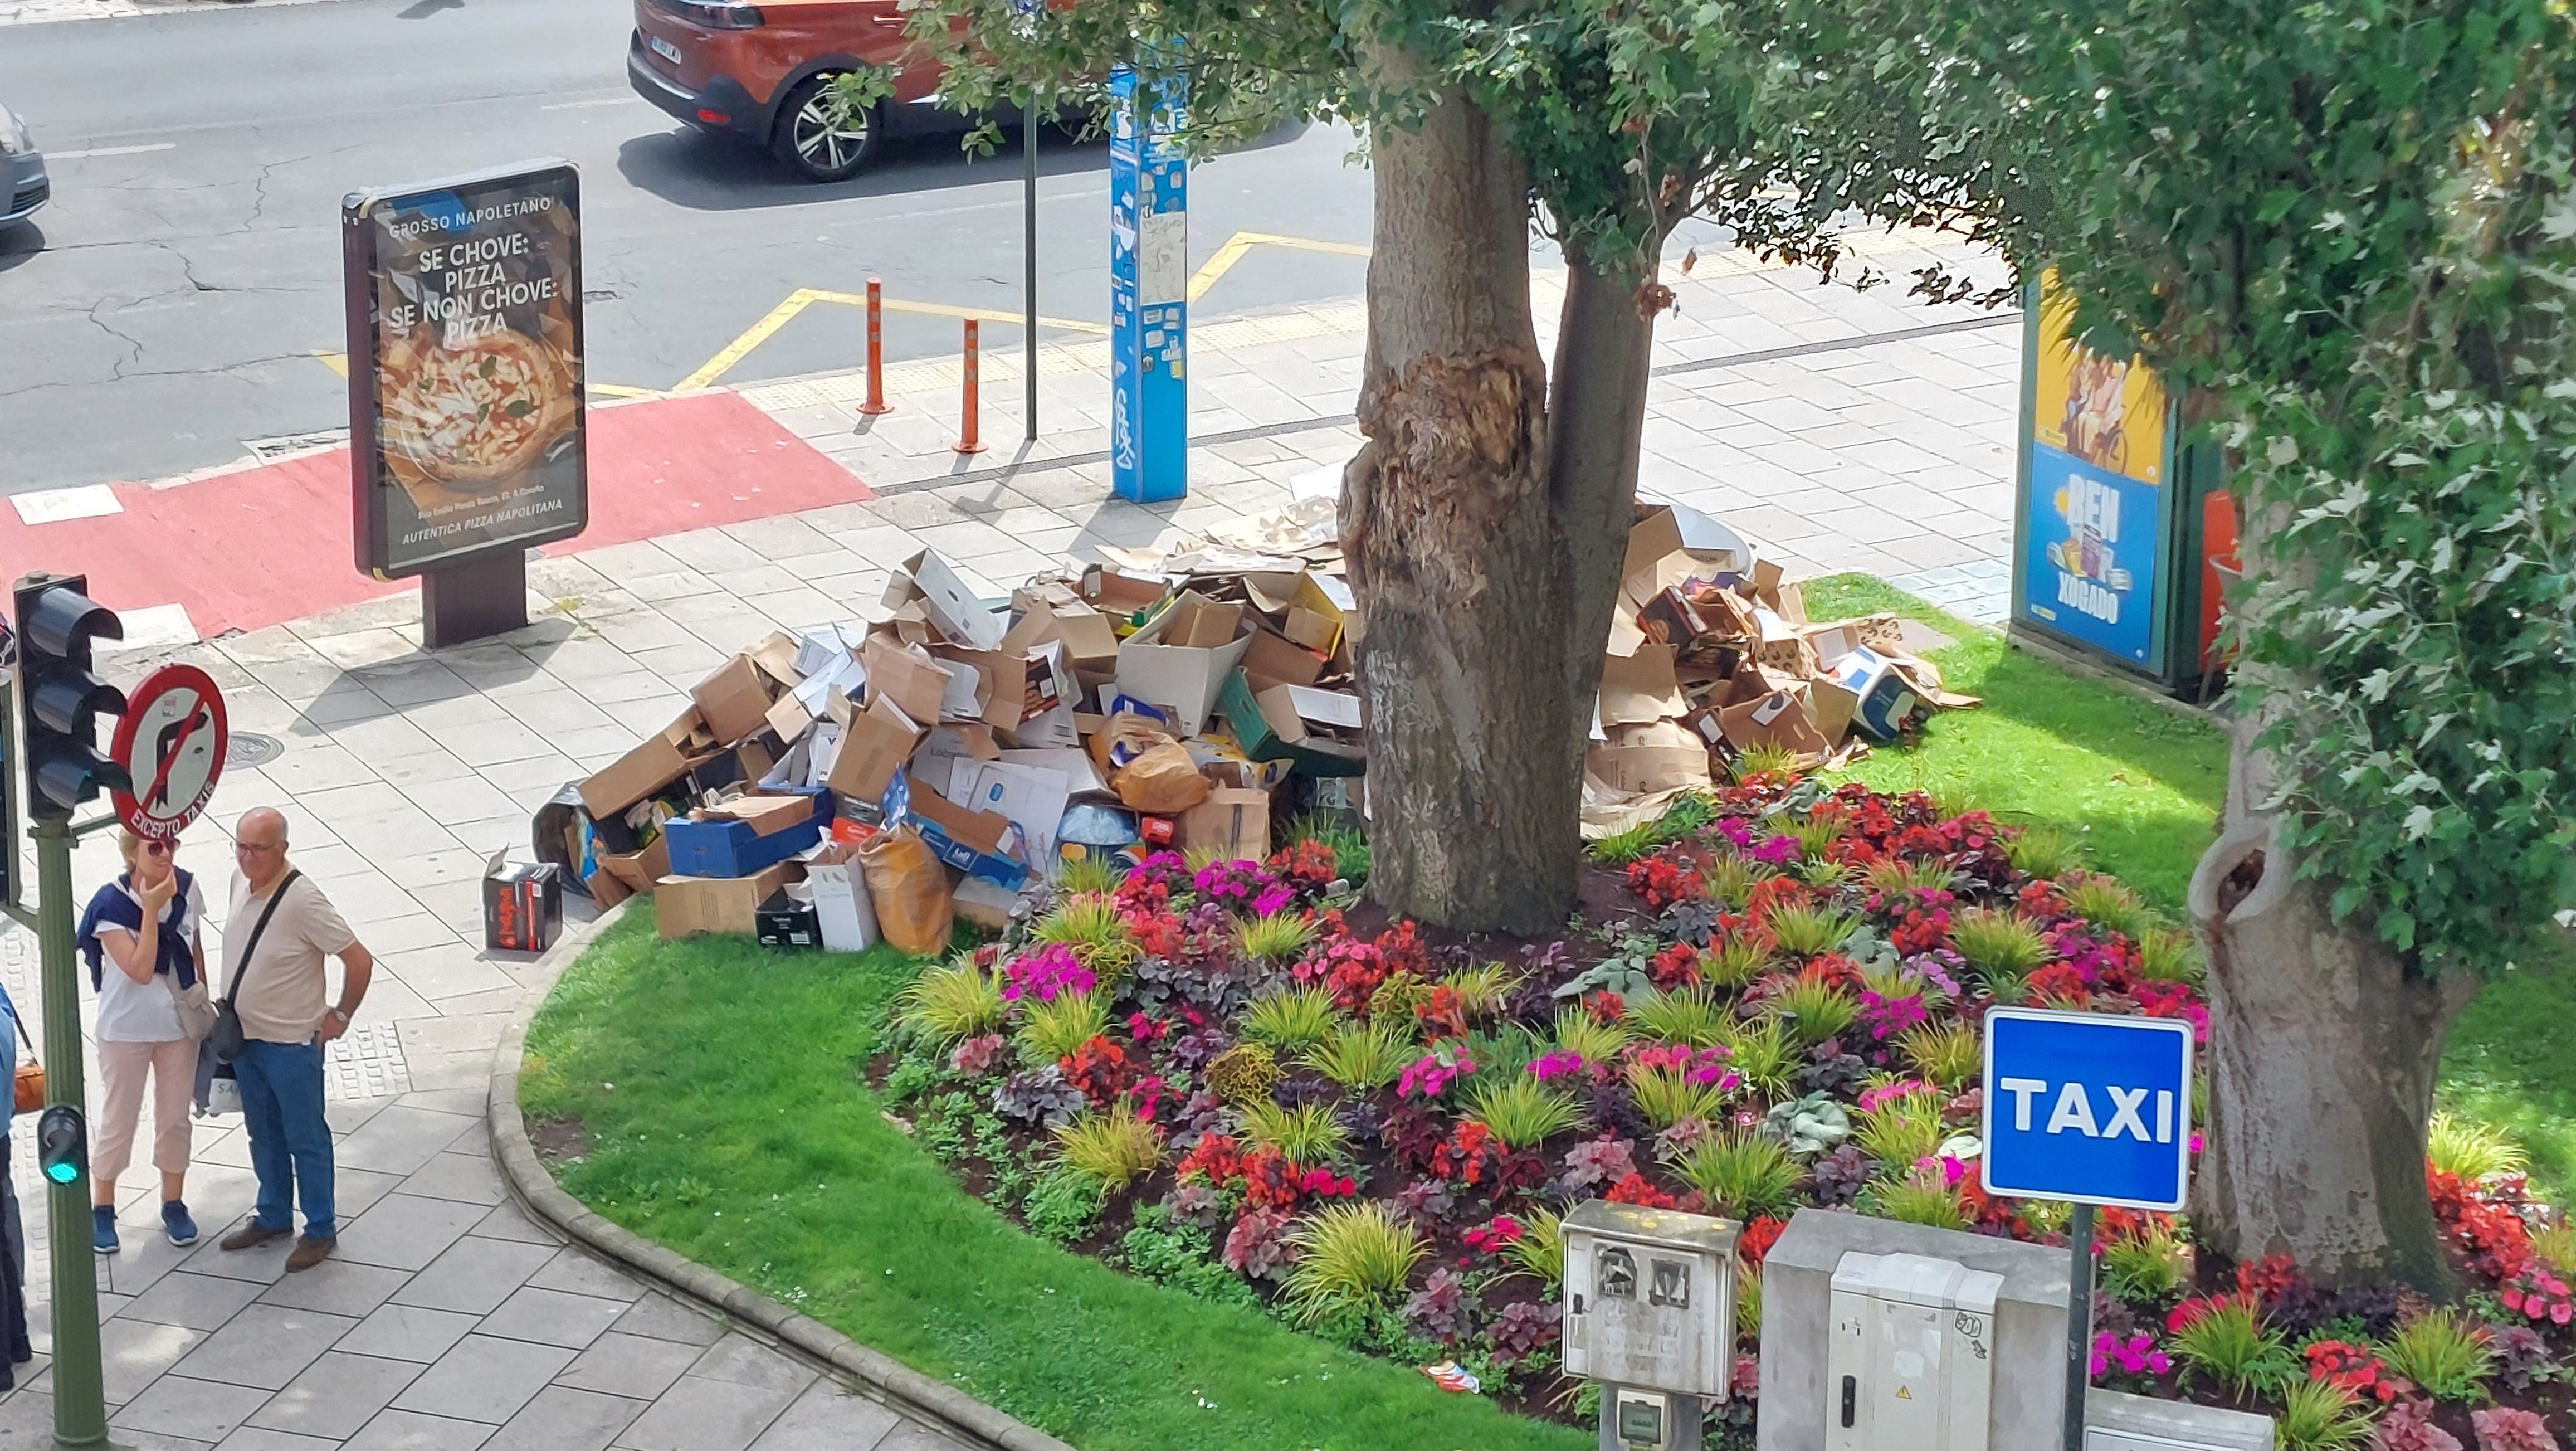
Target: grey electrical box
{"x":1650,"y":1298}
{"x":1912,"y":1363}
{"x":2116,"y":1421}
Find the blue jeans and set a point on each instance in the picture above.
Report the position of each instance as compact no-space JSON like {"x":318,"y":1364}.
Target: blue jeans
{"x":290,"y":1141}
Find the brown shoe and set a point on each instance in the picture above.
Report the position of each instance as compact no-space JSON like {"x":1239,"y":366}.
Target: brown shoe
{"x":309,"y":1252}
{"x":252,"y":1235}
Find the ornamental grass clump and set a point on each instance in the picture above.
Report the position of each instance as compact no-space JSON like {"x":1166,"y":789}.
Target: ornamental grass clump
{"x":1484,"y":990}
{"x":953,"y":1003}
{"x":1595,"y":1041}
{"x":2167,"y":954}
{"x":1295,"y":1019}
{"x":1089,"y":924}
{"x":1762,"y":1054}
{"x":1277,"y":937}
{"x":1685,"y":1015}
{"x":1901,"y":1129}
{"x":2470,"y":1149}
{"x":1805,"y":932}
{"x":2001,"y":946}
{"x":1910,"y":874}
{"x":2148,"y":1267}
{"x":1112,"y":1149}
{"x":1052,"y":1030}
{"x":2044,"y":851}
{"x":1307,"y":1135}
{"x":1947,"y":1053}
{"x":2227,"y":1341}
{"x":1350,"y":1256}
{"x":2446,"y":1354}
{"x":1089,"y":876}
{"x":1922,"y":1196}
{"x":1728,"y":879}
{"x":2318,"y":1415}
{"x":1741,"y":1174}
{"x":1540,"y":1251}
{"x":1736,"y":962}
{"x":1522,"y":1112}
{"x":2105,"y":902}
{"x":1362,"y":1057}
{"x":1816,"y":838}
{"x":1812,"y":1010}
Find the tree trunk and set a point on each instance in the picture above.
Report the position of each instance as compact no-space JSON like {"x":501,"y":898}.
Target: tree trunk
{"x":1444,"y":519}
{"x":2324,"y":1044}
{"x":1596,"y":429}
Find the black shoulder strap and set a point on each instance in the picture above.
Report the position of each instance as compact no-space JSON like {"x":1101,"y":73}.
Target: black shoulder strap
{"x":257,"y":928}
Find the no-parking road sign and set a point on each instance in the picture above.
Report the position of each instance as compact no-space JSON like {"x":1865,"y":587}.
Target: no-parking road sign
{"x":2088,"y":1107}
{"x":171,"y":744}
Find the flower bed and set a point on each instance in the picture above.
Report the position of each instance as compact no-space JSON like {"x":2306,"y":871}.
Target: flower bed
{"x":1227,"y":1078}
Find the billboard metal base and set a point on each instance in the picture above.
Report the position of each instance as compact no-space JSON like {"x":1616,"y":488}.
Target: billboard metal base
{"x":474,"y":600}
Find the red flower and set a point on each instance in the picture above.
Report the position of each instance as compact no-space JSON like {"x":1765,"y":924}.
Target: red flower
{"x":1676,"y":966}
{"x":1758,"y":1237}
{"x":1635,"y":1190}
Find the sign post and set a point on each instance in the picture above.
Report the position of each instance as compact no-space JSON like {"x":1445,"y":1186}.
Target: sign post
{"x":466,"y":416}
{"x":2095,"y":1110}
{"x":1149,"y":291}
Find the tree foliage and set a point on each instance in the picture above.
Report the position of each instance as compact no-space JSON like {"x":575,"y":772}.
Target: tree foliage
{"x":2345,"y":230}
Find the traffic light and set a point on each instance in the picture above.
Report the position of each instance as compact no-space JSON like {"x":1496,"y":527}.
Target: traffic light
{"x":57,"y":621}
{"x":62,"y":1144}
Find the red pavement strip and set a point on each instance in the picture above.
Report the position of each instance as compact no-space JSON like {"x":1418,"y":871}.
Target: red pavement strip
{"x":262,"y":546}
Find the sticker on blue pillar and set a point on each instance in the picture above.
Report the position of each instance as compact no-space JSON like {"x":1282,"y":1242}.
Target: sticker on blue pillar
{"x":1149,"y":287}
{"x":2088,"y":1108}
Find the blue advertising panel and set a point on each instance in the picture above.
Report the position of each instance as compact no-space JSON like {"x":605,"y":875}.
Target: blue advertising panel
{"x":2091,"y":569}
{"x":2088,"y":1108}
{"x":1149,"y":286}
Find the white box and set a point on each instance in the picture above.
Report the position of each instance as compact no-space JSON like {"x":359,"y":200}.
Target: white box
{"x":1650,"y":1298}
{"x":1183,"y":679}
{"x":954,"y":608}
{"x":1912,"y":1363}
{"x":843,"y":911}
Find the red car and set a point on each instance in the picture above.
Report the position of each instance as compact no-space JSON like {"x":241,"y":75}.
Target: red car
{"x":760,"y":71}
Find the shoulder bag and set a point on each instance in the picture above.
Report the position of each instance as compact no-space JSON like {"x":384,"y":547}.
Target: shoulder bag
{"x":196,"y":1007}
{"x":226,"y":1037}
{"x":30,"y":1086}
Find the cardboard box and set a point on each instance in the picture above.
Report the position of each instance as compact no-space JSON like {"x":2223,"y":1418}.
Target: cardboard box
{"x":983,"y":903}
{"x":613,"y":879}
{"x":1881,"y":697}
{"x":906,"y":675}
{"x":1779,"y":718}
{"x":741,"y":837}
{"x":844,"y":914}
{"x":1249,"y":714}
{"x":522,"y":904}
{"x":1273,"y":660}
{"x":784,"y":921}
{"x":1235,"y":824}
{"x":1641,"y":759}
{"x":1180,"y":659}
{"x":1640,"y":689}
{"x":1055,"y":615}
{"x":954,"y":608}
{"x":660,"y":759}
{"x":734,"y":700}
{"x":975,"y":842}
{"x":1031,"y":798}
{"x":874,"y":746}
{"x":688,"y":906}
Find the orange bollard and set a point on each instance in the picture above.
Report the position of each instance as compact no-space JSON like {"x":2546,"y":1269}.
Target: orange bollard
{"x":971,"y":436}
{"x":876,"y":351}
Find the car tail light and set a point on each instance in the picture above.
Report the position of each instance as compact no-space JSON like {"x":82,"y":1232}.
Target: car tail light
{"x":715,"y":15}
{"x":714,"y":118}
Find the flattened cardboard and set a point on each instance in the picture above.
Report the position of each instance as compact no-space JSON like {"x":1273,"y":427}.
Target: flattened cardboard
{"x":905,"y":675}
{"x":688,"y":906}
{"x":1780,"y":718}
{"x":733,"y":700}
{"x":655,"y":763}
{"x":1647,"y":758}
{"x":1031,"y":798}
{"x":1641,"y":688}
{"x":1235,"y":824}
{"x":874,"y":746}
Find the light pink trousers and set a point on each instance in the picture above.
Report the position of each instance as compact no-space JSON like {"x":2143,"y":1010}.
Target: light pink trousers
{"x":173,"y":1066}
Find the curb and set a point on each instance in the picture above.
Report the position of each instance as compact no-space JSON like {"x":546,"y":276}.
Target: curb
{"x":877,"y":1374}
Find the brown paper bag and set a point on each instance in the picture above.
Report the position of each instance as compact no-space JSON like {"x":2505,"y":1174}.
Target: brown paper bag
{"x":910,"y":891}
{"x":1164,"y":781}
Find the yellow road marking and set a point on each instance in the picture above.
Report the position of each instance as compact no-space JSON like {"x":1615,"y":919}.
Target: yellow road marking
{"x":740,"y":348}
{"x":940,"y":309}
{"x":1242,"y":243}
{"x":336,"y":362}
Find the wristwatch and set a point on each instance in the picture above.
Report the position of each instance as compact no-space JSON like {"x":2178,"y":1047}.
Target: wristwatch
{"x":343,"y":1017}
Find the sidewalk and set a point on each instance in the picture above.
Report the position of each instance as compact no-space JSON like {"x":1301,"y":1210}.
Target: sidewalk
{"x":1827,"y":423}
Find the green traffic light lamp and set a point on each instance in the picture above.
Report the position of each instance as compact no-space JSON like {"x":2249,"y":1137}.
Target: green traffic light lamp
{"x":62,"y":1144}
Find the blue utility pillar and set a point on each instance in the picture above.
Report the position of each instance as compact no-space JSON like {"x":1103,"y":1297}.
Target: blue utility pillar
{"x":1149,"y":292}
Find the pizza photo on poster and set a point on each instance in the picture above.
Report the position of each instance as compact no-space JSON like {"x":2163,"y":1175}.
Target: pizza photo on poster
{"x":465,"y":314}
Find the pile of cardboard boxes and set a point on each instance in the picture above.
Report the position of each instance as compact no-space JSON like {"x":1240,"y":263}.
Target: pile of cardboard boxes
{"x":1711,"y":655}
{"x":1173,"y":698}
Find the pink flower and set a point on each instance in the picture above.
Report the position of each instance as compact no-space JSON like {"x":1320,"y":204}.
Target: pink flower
{"x":1556,"y":1065}
{"x":1430,"y":1076}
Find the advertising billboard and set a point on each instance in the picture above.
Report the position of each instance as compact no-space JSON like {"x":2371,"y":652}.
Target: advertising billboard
{"x":2095,"y":474}
{"x":465,"y":367}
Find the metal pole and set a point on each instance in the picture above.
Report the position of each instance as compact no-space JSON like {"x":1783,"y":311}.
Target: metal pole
{"x":80,"y":1403}
{"x":876,"y":351}
{"x":2079,"y":1321}
{"x":1029,"y":255}
{"x":970,"y":438}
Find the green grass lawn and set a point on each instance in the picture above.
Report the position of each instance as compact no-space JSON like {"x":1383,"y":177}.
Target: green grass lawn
{"x":720,"y":1085}
{"x":721,"y":1089}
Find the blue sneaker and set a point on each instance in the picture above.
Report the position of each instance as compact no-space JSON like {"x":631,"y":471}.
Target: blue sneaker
{"x":176,"y":1223}
{"x":102,"y":1230}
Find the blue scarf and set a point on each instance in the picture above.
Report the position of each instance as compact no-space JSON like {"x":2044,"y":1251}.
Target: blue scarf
{"x":115,"y":906}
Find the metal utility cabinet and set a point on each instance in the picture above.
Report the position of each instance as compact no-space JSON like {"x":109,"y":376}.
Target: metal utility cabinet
{"x":1912,"y":1361}
{"x":1650,"y":1313}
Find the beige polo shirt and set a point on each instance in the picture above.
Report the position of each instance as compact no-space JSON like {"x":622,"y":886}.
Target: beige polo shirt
{"x":284,"y":993}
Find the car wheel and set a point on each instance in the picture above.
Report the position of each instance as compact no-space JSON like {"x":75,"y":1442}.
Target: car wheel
{"x":821,"y":139}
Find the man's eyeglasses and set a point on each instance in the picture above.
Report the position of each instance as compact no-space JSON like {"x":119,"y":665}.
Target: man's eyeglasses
{"x":252,"y":846}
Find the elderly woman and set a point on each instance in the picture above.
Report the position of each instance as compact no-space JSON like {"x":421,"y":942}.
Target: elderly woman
{"x":145,"y":924}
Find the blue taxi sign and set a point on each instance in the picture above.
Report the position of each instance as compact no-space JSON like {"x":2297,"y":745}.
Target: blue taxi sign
{"x":2088,"y":1108}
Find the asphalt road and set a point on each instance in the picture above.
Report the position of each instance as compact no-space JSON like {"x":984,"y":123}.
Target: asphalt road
{"x":170,"y":305}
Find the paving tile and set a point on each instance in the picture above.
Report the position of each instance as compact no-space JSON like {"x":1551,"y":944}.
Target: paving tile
{"x":465,"y":1178}
{"x":337,"y":1395}
{"x":401,"y":1140}
{"x":485,"y":1379}
{"x":914,"y":1436}
{"x":408,"y":1332}
{"x":475,"y":1275}
{"x":829,"y":1418}
{"x":552,"y":1317}
{"x":576,"y":1272}
{"x":564,"y":1419}
{"x":200,"y":1410}
{"x":336,"y":1287}
{"x":411,"y":1431}
{"x":744,"y":1361}
{"x":701,"y":1414}
{"x":259,"y":1438}
{"x":265,"y":1346}
{"x":200,"y":1302}
{"x":134,"y":1353}
{"x":629,"y":1365}
{"x":508,"y":1221}
{"x":405,"y":1231}
{"x":664,"y":1318}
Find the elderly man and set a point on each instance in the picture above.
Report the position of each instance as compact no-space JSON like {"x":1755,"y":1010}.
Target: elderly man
{"x":278,"y":985}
